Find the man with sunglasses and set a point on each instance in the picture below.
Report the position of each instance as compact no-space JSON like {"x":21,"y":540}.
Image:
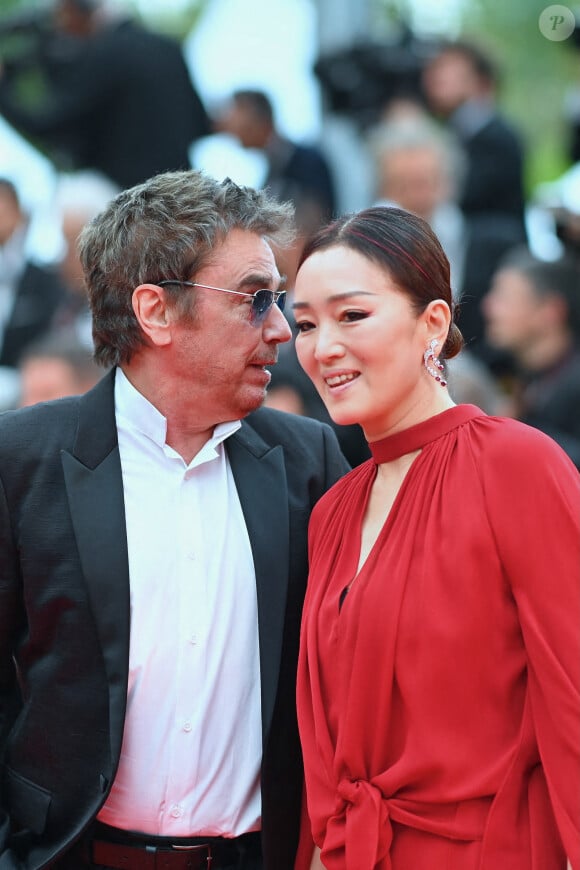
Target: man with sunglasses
{"x":153,"y":556}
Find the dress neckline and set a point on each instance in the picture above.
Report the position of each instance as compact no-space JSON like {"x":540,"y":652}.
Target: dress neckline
{"x":417,"y":436}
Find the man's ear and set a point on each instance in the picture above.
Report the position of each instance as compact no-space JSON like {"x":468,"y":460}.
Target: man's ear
{"x":150,"y":307}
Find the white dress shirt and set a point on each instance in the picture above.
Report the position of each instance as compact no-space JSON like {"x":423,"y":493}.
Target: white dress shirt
{"x":192,"y":745}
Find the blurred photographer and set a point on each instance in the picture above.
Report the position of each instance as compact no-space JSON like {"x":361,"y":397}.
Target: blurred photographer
{"x":119,"y":98}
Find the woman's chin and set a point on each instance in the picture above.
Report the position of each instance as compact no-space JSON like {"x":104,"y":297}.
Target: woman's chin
{"x":342,"y":417}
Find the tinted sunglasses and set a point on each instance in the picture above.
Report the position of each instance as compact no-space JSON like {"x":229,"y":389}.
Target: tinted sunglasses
{"x":262,"y":300}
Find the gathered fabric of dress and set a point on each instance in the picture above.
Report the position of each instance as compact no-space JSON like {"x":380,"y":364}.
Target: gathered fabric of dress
{"x":439,"y":688}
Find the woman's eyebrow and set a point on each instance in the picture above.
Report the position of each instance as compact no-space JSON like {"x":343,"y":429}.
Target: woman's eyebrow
{"x":336,"y":297}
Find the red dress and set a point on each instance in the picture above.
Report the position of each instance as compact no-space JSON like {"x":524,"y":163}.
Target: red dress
{"x":439,"y":706}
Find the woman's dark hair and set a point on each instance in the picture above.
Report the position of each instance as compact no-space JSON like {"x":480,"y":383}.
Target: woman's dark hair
{"x":404,"y":245}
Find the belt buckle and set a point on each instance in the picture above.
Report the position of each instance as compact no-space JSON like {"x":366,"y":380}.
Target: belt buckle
{"x":179,"y":848}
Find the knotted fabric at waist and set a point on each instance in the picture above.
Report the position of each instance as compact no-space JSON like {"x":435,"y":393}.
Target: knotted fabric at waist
{"x":361,"y":831}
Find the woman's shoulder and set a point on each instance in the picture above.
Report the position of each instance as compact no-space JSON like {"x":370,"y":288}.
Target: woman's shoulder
{"x":505,"y":438}
{"x":509,"y":453}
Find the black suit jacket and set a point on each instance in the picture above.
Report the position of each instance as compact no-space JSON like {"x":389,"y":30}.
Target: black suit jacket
{"x":64,"y":612}
{"x":38,"y":295}
{"x":488,"y":239}
{"x":301,"y":173}
{"x":550,"y":401}
{"x":495,"y":171}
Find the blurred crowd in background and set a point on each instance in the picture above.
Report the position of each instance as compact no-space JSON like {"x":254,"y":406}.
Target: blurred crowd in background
{"x":110,"y":102}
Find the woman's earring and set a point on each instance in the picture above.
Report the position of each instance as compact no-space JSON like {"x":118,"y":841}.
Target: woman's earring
{"x":437,"y":367}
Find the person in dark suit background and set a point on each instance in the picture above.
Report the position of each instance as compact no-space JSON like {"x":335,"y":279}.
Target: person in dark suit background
{"x":30,"y":293}
{"x":153,"y":555}
{"x":533,"y":311}
{"x":460,"y":84}
{"x":119,"y":100}
{"x":297,"y":172}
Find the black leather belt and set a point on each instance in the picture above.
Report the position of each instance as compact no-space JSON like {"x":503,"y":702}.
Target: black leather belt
{"x":199,"y":853}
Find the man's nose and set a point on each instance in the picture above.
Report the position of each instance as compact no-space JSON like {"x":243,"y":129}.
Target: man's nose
{"x":276,"y":327}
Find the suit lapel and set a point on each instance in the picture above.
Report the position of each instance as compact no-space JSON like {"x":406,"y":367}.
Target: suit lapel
{"x":260,"y":478}
{"x":94,"y":487}
{"x":95,"y":492}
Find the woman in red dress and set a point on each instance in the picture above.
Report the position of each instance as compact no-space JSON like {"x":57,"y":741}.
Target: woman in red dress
{"x":439,"y":673}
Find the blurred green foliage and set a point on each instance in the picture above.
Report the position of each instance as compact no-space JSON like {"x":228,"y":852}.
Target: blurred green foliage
{"x":7,"y":6}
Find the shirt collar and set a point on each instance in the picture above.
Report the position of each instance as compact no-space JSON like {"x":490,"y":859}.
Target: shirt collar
{"x":139,"y":414}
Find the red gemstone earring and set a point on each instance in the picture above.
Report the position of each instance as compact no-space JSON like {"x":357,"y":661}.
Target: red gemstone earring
{"x":438,"y":365}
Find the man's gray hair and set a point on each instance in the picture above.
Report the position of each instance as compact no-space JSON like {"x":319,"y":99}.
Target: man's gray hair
{"x":416,"y":134}
{"x":165,"y":228}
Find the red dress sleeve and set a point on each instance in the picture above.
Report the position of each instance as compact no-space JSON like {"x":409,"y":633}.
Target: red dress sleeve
{"x":534,"y":511}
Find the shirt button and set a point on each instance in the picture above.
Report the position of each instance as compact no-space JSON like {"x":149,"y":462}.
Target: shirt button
{"x":187,"y":726}
{"x":176,"y":811}
{"x":193,"y":639}
{"x":191,"y":556}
